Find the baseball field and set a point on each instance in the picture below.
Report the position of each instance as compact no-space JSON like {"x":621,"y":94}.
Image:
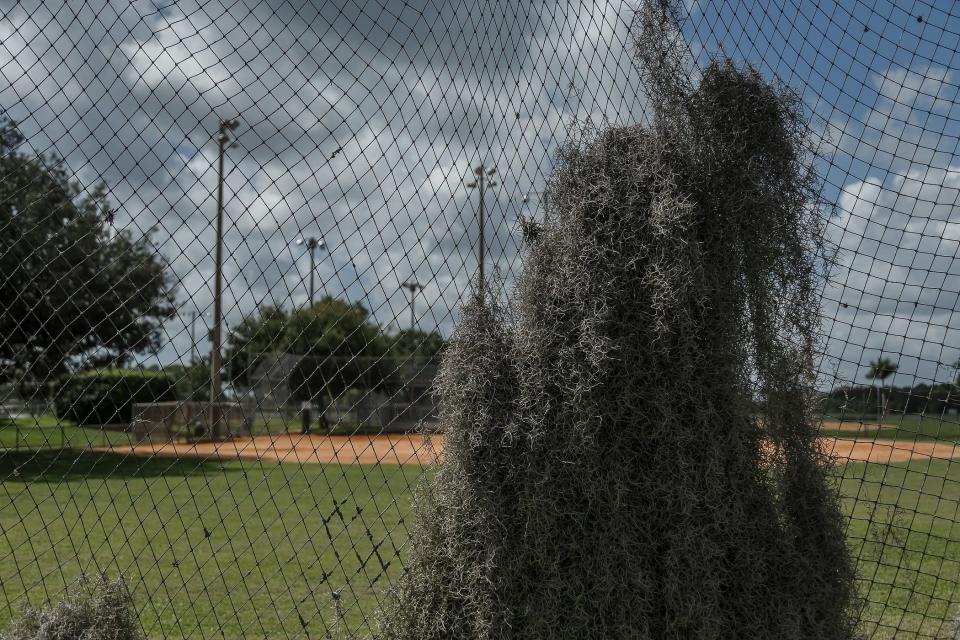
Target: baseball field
{"x":300,"y":536}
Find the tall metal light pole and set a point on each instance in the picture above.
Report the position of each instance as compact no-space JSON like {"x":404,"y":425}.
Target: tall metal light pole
{"x":412,"y":286}
{"x":193,"y":338}
{"x":312,"y":245}
{"x":216,"y":420}
{"x":484,"y":180}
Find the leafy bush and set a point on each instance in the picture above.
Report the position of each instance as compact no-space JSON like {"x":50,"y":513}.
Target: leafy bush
{"x":92,"y":610}
{"x":107,"y":397}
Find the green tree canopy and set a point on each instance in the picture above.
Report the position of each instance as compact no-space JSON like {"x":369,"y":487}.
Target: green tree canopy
{"x":191,"y":381}
{"x":414,"y":342}
{"x":881,"y":369}
{"x":340,"y":343}
{"x":72,"y":294}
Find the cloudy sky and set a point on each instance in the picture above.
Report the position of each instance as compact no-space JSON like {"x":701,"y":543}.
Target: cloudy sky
{"x":361,"y":120}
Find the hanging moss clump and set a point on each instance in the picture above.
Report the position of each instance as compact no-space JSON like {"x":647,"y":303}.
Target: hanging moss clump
{"x":632,"y":454}
{"x":92,"y":609}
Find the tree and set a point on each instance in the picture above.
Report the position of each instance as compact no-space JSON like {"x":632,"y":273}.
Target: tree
{"x":413,"y":342}
{"x":191,"y":381}
{"x":260,"y":333}
{"x":341,"y":347}
{"x":881,"y":369}
{"x":72,"y":294}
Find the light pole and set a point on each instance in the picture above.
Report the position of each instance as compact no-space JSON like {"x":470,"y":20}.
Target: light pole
{"x":194,"y":348}
{"x":193,"y":338}
{"x":312,"y":245}
{"x":412,"y":286}
{"x":223,"y":137}
{"x":484,"y":180}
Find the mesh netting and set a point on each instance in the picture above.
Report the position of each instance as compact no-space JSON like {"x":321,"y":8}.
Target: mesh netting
{"x":240,"y":242}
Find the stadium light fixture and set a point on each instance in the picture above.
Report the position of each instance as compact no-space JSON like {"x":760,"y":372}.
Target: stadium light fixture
{"x":412,"y":286}
{"x":312,"y":245}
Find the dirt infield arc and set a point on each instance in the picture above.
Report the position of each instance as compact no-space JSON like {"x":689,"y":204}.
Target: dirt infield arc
{"x":303,"y":449}
{"x":418,"y":449}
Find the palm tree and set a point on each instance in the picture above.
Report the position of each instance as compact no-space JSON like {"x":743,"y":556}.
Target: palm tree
{"x":881,"y":369}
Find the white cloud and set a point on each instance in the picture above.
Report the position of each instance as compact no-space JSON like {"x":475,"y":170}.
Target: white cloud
{"x":354,"y":128}
{"x":904,"y":120}
{"x":894,"y":290}
{"x":362,"y":131}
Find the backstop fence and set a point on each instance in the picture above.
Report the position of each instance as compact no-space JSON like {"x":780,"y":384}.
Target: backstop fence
{"x":304,"y":192}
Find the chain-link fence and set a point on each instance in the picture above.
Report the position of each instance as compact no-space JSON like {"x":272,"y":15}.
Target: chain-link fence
{"x":236,"y":235}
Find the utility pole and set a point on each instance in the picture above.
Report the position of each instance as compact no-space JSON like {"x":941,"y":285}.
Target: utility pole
{"x":312,"y":245}
{"x":193,"y":338}
{"x":483,"y":181}
{"x":412,"y":286}
{"x":216,"y":420}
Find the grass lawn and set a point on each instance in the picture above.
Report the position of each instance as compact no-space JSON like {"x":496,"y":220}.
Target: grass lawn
{"x":240,"y":549}
{"x":905,"y":530}
{"x":46,"y":432}
{"x":908,"y":427}
{"x":273,"y":550}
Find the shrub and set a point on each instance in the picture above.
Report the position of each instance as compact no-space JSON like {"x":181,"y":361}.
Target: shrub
{"x":97,"y":609}
{"x":632,"y":453}
{"x":107,"y":397}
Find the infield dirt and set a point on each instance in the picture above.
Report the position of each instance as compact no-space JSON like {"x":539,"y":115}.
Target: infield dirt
{"x":418,"y":449}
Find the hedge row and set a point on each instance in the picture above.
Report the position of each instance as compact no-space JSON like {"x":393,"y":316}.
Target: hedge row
{"x":107,"y":397}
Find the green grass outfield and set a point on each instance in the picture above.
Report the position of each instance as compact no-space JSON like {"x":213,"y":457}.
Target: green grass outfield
{"x":239,"y":549}
{"x":272,"y":550}
{"x":46,"y":432}
{"x":910,"y":427}
{"x":905,"y":531}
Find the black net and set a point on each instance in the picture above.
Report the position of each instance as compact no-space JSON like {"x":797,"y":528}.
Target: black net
{"x":297,"y":198}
